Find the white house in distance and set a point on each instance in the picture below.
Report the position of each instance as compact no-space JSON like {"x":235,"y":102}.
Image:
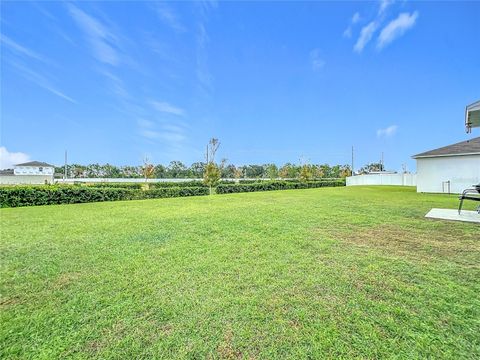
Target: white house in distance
{"x":449,"y":169}
{"x":34,"y":168}
{"x":33,"y":172}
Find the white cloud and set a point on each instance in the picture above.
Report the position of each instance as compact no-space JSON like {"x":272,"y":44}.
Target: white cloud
{"x":365,"y":36}
{"x":101,"y":39}
{"x":143,"y":123}
{"x":387,"y":132}
{"x":41,"y":81}
{"x":169,"y":17}
{"x":396,"y":28}
{"x":316,"y":60}
{"x":8,"y":159}
{"x":355,"y":19}
{"x":165,"y":107}
{"x":171,"y":135}
{"x":384,"y":4}
{"x":19,"y":49}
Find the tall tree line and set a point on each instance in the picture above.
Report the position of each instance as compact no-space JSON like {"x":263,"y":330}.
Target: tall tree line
{"x":178,"y":170}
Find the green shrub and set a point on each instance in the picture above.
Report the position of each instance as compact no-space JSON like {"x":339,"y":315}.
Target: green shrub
{"x":116,"y":185}
{"x":192,"y":183}
{"x":275,"y":185}
{"x":48,"y":195}
{"x":175,"y":192}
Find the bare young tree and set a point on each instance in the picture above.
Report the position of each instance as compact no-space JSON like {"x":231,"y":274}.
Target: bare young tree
{"x":147,"y":169}
{"x":212,"y":148}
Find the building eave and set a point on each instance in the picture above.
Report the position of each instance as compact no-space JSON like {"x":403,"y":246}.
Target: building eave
{"x":443,"y":155}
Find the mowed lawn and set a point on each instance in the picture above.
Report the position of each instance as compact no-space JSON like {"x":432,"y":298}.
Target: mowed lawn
{"x":318,"y":273}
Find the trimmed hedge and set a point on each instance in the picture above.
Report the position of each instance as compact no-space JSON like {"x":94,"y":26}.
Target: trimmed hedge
{"x":193,"y":183}
{"x":115,"y":185}
{"x":151,"y":185}
{"x":13,"y":196}
{"x":48,"y":195}
{"x":276,"y":185}
{"x":175,"y":192}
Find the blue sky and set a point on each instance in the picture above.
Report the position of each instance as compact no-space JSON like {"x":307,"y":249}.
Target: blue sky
{"x":274,"y":81}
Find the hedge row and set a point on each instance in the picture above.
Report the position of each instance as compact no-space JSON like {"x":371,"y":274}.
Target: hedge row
{"x":47,"y":195}
{"x":275,"y":185}
{"x":114,"y":185}
{"x":192,"y":183}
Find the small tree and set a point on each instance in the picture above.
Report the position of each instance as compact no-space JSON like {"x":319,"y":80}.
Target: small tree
{"x":147,"y":169}
{"x":212,"y":175}
{"x":306,"y":173}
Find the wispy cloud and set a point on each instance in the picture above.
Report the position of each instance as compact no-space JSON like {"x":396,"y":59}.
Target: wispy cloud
{"x":384,"y":4}
{"x":316,"y":60}
{"x":169,"y":17}
{"x":204,"y":76}
{"x":40,"y":80}
{"x":396,"y":28}
{"x":117,"y":85}
{"x":172,"y":136}
{"x":19,"y":49}
{"x":365,"y":36}
{"x":355,"y":19}
{"x":165,"y":107}
{"x":102,"y":40}
{"x":387,"y":132}
{"x":8,"y":159}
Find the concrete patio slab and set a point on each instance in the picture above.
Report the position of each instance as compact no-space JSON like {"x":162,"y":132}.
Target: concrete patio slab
{"x":452,"y":214}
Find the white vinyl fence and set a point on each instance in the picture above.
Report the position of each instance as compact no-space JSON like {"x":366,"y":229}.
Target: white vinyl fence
{"x":383,"y":179}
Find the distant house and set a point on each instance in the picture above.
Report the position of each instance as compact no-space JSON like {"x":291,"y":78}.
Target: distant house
{"x":34,"y":168}
{"x":451,"y":168}
{"x":33,"y":172}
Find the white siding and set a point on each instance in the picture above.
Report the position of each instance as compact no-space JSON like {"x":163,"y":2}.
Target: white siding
{"x":33,"y":170}
{"x":461,"y":171}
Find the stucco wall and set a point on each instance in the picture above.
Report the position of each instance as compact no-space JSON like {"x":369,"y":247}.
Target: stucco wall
{"x":461,"y":171}
{"x":25,"y":179}
{"x":382,"y":179}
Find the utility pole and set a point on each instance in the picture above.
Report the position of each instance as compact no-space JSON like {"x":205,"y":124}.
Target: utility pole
{"x":65,"y":169}
{"x":383,"y":164}
{"x":353,"y":172}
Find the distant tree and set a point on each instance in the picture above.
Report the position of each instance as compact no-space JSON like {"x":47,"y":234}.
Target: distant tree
{"x":197,"y":170}
{"x":238,"y":173}
{"x":228,"y":171}
{"x":371,"y":167}
{"x":254,"y":171}
{"x":176,"y":169}
{"x":306,"y":173}
{"x":160,"y":171}
{"x":345,"y":171}
{"x":271,"y":171}
{"x":289,"y":171}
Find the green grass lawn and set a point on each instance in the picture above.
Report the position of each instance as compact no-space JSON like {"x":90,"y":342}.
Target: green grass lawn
{"x":330,"y":272}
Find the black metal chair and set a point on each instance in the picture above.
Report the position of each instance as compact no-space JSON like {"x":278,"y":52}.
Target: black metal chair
{"x":470,"y":194}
